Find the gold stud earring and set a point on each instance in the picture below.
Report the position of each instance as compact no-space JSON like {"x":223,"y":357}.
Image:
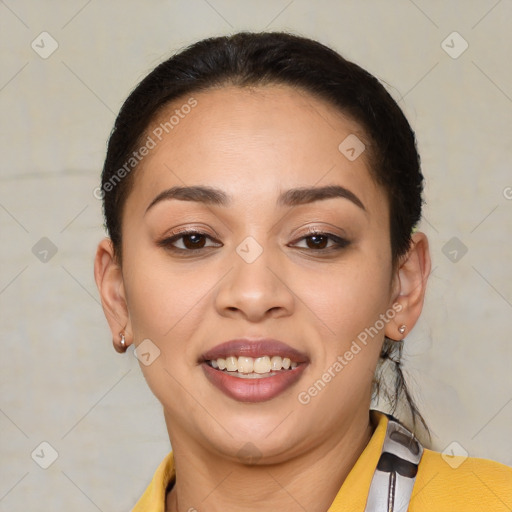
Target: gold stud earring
{"x":401,"y":329}
{"x":123,"y":341}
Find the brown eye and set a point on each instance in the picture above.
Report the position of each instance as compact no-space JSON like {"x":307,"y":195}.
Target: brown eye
{"x":188,"y":241}
{"x":321,"y":242}
{"x":317,"y":241}
{"x":194,"y":241}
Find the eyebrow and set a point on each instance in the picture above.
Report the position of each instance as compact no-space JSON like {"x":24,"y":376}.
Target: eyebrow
{"x":293,"y":197}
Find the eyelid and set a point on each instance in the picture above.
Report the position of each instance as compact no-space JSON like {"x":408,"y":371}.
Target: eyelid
{"x":320,"y":230}
{"x":194,"y":228}
{"x":191,"y":229}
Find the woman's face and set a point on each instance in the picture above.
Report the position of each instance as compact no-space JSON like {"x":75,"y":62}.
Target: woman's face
{"x":256,"y":270}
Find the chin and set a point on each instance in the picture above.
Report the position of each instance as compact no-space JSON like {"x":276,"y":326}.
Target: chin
{"x":259,"y":439}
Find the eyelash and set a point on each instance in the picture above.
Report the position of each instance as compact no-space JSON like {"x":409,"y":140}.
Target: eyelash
{"x":339,"y":243}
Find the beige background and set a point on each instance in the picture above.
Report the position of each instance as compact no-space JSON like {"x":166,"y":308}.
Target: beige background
{"x":61,"y":381}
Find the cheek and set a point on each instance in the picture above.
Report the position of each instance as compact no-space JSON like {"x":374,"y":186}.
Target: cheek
{"x":353,"y":298}
{"x":162,"y":298}
{"x":153,"y":304}
{"x":171,"y":305}
{"x":166,"y":307}
{"x":349,"y":297}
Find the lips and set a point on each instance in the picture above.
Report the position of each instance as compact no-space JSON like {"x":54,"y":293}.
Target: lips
{"x":248,"y":386}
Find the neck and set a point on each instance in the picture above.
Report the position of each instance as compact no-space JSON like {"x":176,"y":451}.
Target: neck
{"x":306,"y":482}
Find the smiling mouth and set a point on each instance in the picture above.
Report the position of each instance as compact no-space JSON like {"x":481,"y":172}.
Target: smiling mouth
{"x":253,"y":370}
{"x":244,"y":367}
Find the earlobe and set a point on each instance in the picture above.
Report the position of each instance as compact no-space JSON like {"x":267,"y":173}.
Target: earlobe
{"x":411,"y":287}
{"x":109,"y":280}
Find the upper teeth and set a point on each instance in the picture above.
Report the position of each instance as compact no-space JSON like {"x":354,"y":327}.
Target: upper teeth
{"x":245,"y":364}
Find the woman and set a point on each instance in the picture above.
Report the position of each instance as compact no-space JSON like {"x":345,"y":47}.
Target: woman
{"x":261,"y":195}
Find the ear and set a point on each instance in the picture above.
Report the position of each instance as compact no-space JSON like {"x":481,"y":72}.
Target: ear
{"x":109,"y":280}
{"x":410,"y":283}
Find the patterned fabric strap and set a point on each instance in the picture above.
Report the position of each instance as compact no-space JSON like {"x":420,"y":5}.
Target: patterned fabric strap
{"x":394,"y":477}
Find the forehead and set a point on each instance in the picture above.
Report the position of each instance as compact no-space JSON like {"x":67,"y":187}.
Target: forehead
{"x":254,"y":142}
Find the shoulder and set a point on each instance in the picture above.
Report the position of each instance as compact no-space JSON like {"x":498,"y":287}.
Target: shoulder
{"x":154,"y":496}
{"x":467,"y":484}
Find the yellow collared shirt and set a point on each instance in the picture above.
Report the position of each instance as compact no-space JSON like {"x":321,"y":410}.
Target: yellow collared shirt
{"x":476,"y":485}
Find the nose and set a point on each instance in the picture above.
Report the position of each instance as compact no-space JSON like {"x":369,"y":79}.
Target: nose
{"x":255,"y":290}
